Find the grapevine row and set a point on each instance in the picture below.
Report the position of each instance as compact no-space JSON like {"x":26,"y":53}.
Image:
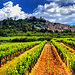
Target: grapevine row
{"x":68,"y":56}
{"x":20,"y":47}
{"x":26,"y":61}
{"x":65,"y":40}
{"x":24,"y":38}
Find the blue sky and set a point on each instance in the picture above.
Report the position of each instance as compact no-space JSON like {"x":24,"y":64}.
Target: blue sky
{"x":27,"y":6}
{"x":62,"y":11}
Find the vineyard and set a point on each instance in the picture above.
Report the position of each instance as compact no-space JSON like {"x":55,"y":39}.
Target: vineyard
{"x":37,"y":56}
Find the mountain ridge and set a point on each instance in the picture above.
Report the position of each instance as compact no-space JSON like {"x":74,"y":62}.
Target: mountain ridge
{"x":31,"y":22}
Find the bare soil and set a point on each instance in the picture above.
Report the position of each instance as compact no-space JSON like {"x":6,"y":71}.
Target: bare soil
{"x":49,"y":63}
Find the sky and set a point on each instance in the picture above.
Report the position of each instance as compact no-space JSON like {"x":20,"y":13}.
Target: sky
{"x":59,"y":11}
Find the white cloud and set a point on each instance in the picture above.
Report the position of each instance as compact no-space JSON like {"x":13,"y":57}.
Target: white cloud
{"x":63,"y":1}
{"x":67,"y":1}
{"x":54,"y":13}
{"x":12,"y":11}
{"x":8,"y":4}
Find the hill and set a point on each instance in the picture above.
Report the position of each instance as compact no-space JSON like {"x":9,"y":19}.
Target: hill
{"x":31,"y":24}
{"x":28,"y":23}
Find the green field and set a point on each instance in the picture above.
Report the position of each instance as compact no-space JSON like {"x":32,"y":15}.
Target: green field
{"x":17,"y":54}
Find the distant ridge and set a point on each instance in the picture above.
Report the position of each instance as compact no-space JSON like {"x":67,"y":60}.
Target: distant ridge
{"x":28,"y":23}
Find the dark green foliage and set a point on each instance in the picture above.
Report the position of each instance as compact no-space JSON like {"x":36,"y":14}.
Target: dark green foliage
{"x":24,"y":25}
{"x":3,"y":33}
{"x":30,"y":26}
{"x":66,"y":31}
{"x":25,"y":38}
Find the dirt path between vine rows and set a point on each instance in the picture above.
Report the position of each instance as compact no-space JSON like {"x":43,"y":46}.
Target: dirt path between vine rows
{"x":48,"y":64}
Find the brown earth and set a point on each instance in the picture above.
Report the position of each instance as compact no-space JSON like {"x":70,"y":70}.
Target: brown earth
{"x":49,"y":63}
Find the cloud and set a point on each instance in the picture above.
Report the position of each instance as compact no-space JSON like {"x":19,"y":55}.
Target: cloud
{"x":52,"y":12}
{"x":12,"y":11}
{"x":53,"y":0}
{"x":55,"y":13}
{"x":63,"y":1}
{"x":67,"y":1}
